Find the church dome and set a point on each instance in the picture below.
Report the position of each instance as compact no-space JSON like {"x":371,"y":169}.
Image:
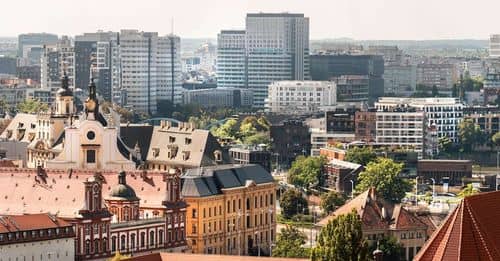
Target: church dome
{"x":122,"y":191}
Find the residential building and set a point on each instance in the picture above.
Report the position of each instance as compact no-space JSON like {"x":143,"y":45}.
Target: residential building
{"x":494,"y":46}
{"x":392,"y":54}
{"x":30,"y":45}
{"x":491,"y":87}
{"x":331,"y":153}
{"x":36,"y":237}
{"x":169,"y":69}
{"x":340,"y":120}
{"x":29,"y":72}
{"x":400,"y":80}
{"x":341,"y":176}
{"x":401,"y":127}
{"x":346,"y":68}
{"x":322,"y":139}
{"x":57,"y":61}
{"x":249,"y":155}
{"x":275,"y":47}
{"x":231,"y":209}
{"x":443,"y":76}
{"x":219,"y":97}
{"x":486,"y":117}
{"x":453,"y":170}
{"x":444,"y":113}
{"x":365,"y":127}
{"x":290,"y":139}
{"x":475,"y":231}
{"x":231,"y":59}
{"x":381,"y":217}
{"x":297,"y":97}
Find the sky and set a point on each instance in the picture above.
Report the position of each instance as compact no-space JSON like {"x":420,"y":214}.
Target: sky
{"x":358,"y":19}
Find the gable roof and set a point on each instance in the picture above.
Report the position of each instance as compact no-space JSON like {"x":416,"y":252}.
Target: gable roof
{"x":20,"y":127}
{"x":377,"y":214}
{"x":210,"y":181}
{"x":471,"y":231}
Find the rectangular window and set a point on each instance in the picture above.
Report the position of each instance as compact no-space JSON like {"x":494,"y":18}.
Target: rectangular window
{"x":90,"y":156}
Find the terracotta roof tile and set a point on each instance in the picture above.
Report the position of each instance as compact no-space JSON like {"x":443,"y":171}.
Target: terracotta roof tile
{"x":471,"y":232}
{"x":18,"y":223}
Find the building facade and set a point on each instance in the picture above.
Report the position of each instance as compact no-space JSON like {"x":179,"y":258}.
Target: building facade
{"x":443,"y":76}
{"x":300,"y":96}
{"x":451,"y":171}
{"x":365,"y":127}
{"x":30,"y":46}
{"x":250,"y":155}
{"x":231,"y":209}
{"x":231,"y":59}
{"x":36,"y":237}
{"x":494,"y":45}
{"x":219,"y":97}
{"x":400,"y":80}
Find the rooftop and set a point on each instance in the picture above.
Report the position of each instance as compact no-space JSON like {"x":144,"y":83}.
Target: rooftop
{"x":18,"y":223}
{"x":197,"y":257}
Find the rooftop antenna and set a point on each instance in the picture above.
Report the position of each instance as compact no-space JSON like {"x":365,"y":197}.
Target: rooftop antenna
{"x":172,"y":25}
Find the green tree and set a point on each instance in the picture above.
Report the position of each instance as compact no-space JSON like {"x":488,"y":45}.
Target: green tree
{"x":292,"y":203}
{"x":32,"y":106}
{"x":331,"y":200}
{"x":470,"y":134}
{"x":306,"y":171}
{"x":496,"y":138}
{"x":445,"y":144}
{"x":469,"y":190}
{"x":393,"y":251}
{"x":258,"y":138}
{"x":289,"y":243}
{"x":383,"y":174}
{"x":247,"y":130}
{"x":360,"y":155}
{"x":341,"y":240}
{"x":228,"y":130}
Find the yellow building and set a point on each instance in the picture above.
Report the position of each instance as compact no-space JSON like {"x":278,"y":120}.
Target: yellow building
{"x":231,"y":209}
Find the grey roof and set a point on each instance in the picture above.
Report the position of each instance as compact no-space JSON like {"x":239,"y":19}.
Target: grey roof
{"x":209,"y":181}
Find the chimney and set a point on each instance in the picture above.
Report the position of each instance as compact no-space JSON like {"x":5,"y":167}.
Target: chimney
{"x":169,"y":124}
{"x":162,"y":124}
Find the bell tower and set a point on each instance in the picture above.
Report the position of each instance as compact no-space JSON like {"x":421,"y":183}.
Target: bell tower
{"x":92,"y":104}
{"x":64,"y":98}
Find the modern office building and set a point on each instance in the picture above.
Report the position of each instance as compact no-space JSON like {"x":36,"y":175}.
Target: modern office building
{"x":231,"y":59}
{"x":56,"y":61}
{"x":340,"y":120}
{"x":353,"y":88}
{"x":444,"y":113}
{"x":295,"y":97}
{"x":219,"y":97}
{"x":290,"y":138}
{"x":451,"y":171}
{"x":169,"y":69}
{"x":494,"y":46}
{"x":29,"y":72}
{"x":370,"y":68}
{"x":30,"y":46}
{"x":486,"y":117}
{"x":392,"y":54}
{"x":276,"y":48}
{"x":251,"y":155}
{"x":400,"y":80}
{"x":365,"y":127}
{"x":8,"y":65}
{"x":443,"y":76}
{"x":231,"y":209}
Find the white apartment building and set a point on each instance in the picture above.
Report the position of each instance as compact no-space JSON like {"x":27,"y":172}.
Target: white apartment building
{"x":400,"y":80}
{"x":494,"y":45}
{"x":401,"y":127}
{"x":443,"y":76}
{"x":300,"y":96}
{"x":444,"y":113}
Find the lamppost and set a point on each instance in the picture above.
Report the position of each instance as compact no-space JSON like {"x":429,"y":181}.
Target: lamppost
{"x":352,"y":188}
{"x":257,"y":241}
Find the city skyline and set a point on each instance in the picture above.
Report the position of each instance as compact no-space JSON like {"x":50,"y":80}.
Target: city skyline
{"x":373,"y":20}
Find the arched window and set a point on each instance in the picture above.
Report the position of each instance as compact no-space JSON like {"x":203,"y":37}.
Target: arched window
{"x":143,"y":239}
{"x":113,"y":244}
{"x":151,"y":238}
{"x":160,"y":237}
{"x":96,"y":245}
{"x":122,"y":242}
{"x":248,"y":203}
{"x":87,"y":247}
{"x":126,"y":213}
{"x":132,"y":241}
{"x":104,"y":245}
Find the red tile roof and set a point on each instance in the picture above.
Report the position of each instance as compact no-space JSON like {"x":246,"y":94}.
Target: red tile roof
{"x":198,"y":257}
{"x":471,"y":232}
{"x":378,"y":214}
{"x":12,"y":223}
{"x":61,"y":192}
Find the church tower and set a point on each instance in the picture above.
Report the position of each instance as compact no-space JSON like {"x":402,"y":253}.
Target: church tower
{"x":92,"y":104}
{"x":64,"y":98}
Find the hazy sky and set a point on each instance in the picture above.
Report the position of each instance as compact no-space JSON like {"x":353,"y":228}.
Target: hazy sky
{"x":359,"y":19}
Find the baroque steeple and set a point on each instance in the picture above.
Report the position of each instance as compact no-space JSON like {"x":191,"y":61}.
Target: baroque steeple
{"x":91,"y":104}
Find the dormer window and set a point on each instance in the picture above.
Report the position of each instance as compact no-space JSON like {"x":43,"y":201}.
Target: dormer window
{"x":188,"y":141}
{"x":218,"y":155}
{"x":171,"y":139}
{"x":185,"y":155}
